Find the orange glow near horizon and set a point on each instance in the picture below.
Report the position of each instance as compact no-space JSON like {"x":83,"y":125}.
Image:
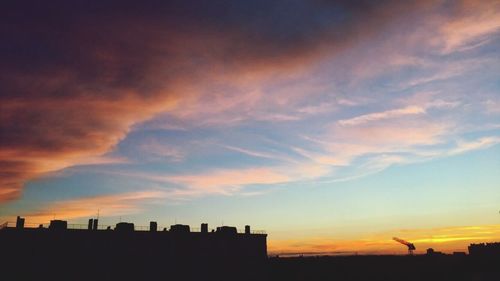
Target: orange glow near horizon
{"x":447,"y":240}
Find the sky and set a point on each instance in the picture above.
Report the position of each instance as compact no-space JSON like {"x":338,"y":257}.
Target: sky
{"x":332,"y":125}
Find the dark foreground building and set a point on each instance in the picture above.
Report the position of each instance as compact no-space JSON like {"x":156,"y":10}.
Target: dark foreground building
{"x":58,"y":252}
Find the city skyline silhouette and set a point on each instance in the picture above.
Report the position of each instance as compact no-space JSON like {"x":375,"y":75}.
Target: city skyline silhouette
{"x":123,"y":252}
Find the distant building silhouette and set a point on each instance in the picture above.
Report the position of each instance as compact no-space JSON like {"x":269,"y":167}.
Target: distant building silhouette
{"x":485,"y":249}
{"x":431,"y":252}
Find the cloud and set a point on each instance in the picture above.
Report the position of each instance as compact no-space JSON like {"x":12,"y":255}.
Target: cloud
{"x":153,"y":149}
{"x":369,"y":143}
{"x":492,"y":106}
{"x":252,"y":152}
{"x":226,"y":181}
{"x":108,"y":205}
{"x":387,"y":136}
{"x":377,"y":140}
{"x":229,"y":180}
{"x":374,"y":141}
{"x":409,"y":110}
{"x":75,"y":78}
{"x":222,"y":181}
{"x":480,"y":143}
{"x":470,"y":26}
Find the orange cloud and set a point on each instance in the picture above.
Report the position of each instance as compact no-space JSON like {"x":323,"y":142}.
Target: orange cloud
{"x":227,"y":181}
{"x":72,"y":89}
{"x":76,"y":90}
{"x":223,"y":181}
{"x":108,"y":205}
{"x":62,"y":133}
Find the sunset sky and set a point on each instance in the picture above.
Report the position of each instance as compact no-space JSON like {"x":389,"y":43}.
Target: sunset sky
{"x":332,"y":125}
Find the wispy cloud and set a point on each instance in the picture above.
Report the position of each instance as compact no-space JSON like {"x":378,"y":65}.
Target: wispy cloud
{"x":480,"y":143}
{"x":229,"y":180}
{"x":409,"y":110}
{"x":108,"y":205}
{"x":492,"y":106}
{"x":156,"y":150}
{"x":252,"y":152}
{"x":471,"y":26}
{"x":369,"y":143}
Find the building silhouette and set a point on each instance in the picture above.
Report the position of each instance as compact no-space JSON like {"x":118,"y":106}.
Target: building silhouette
{"x":485,"y":249}
{"x":124,"y":253}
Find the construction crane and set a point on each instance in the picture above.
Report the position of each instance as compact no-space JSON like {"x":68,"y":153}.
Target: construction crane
{"x":410,"y":246}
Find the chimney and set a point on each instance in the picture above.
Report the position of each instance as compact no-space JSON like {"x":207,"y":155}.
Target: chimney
{"x":153,"y":226}
{"x":19,"y":222}
{"x":247,"y":229}
{"x":204,"y":228}
{"x":94,"y":226}
{"x":58,"y":225}
{"x":91,"y":223}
